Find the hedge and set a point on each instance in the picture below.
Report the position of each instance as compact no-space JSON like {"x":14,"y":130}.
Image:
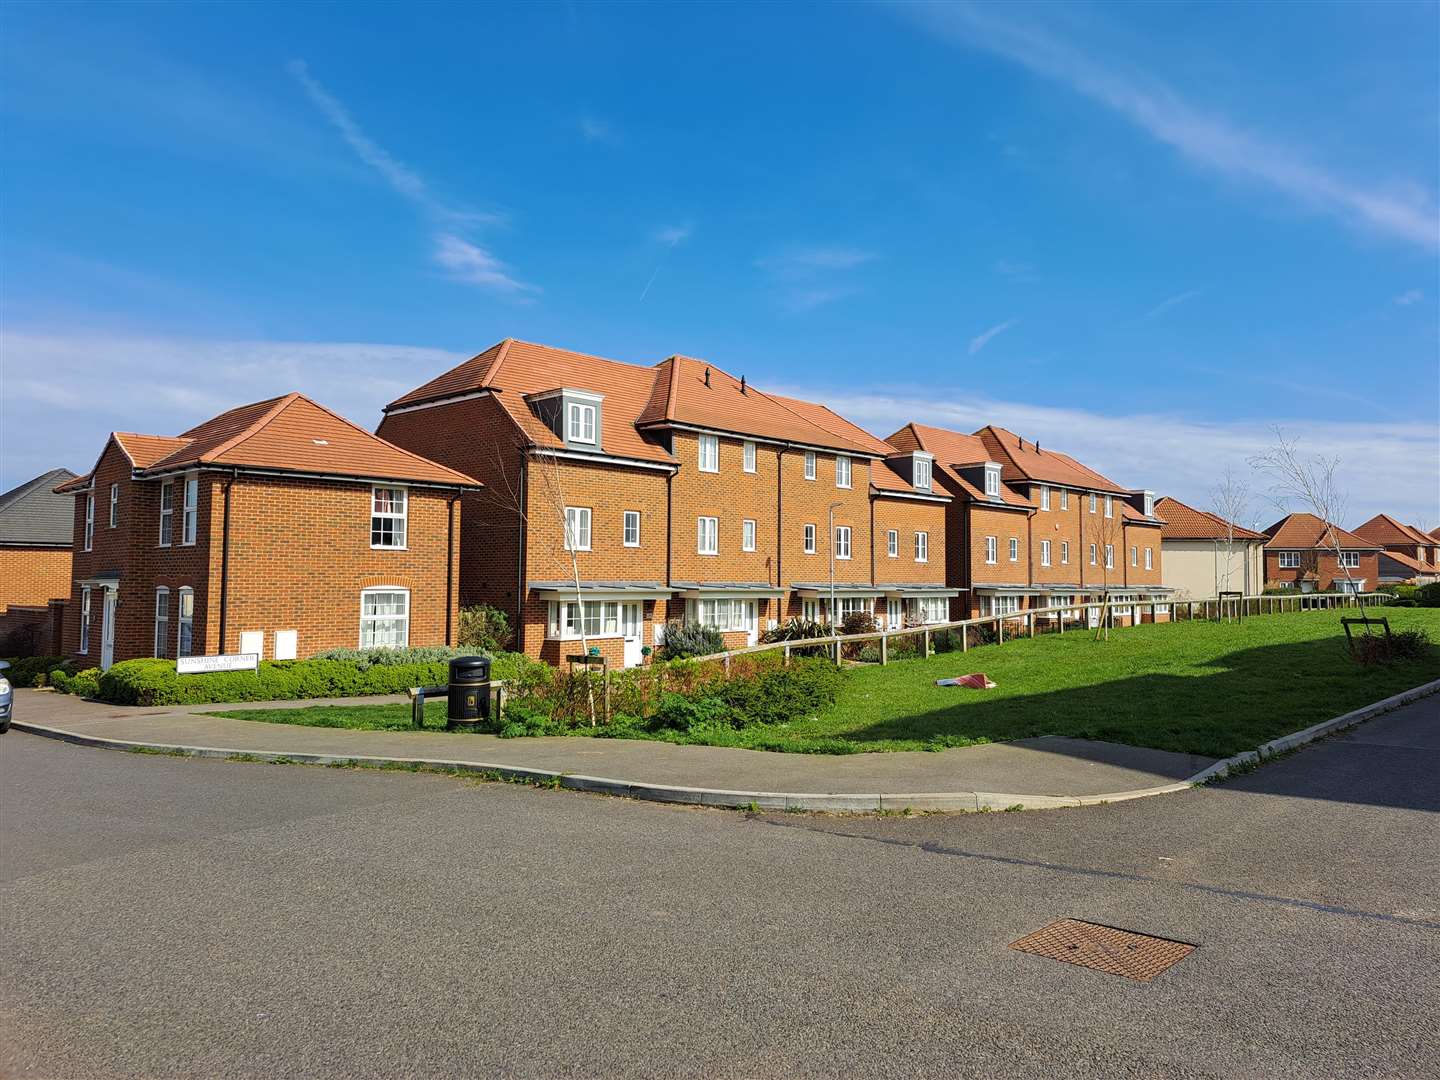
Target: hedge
{"x":35,"y":670}
{"x":155,"y":682}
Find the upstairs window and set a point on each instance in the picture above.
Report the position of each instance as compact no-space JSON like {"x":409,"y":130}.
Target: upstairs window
{"x":1109,"y":507}
{"x":749,"y":452}
{"x":1134,"y":555}
{"x":114,"y":505}
{"x":1149,"y":558}
{"x":1064,"y":499}
{"x":747,"y":535}
{"x":1094,"y":502}
{"x":892,"y":543}
{"x":630,"y":530}
{"x":809,"y":539}
{"x":809,"y":464}
{"x":1350,"y":559}
{"x":922,"y":473}
{"x":581,"y":423}
{"x":1064,"y":552}
{"x":85,"y":618}
{"x":842,"y":471}
{"x":992,"y":480}
{"x":577,"y":528}
{"x":707,"y":534}
{"x":991,"y":549}
{"x":384,"y":618}
{"x":842,"y":541}
{"x":1288,"y":560}
{"x":922,"y":547}
{"x":1092,"y":554}
{"x":188,"y":510}
{"x":388,"y":512}
{"x":89,"y":521}
{"x":167,"y":512}
{"x":1149,"y":504}
{"x":1014,"y":549}
{"x":1044,"y":552}
{"x":1109,"y":556}
{"x":709,"y":453}
{"x":1044,"y":497}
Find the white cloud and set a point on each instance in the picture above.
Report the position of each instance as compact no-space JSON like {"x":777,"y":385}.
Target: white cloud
{"x":1410,"y":296}
{"x":473,"y":265}
{"x":979,"y":341}
{"x":810,"y":277}
{"x":1205,"y":138}
{"x":1390,"y":467}
{"x":673,"y":235}
{"x":65,"y":392}
{"x":467,"y":262}
{"x":595,"y":130}
{"x":801,"y":261}
{"x":1166,"y":305}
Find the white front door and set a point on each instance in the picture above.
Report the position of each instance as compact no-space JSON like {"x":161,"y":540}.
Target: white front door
{"x":107,"y":631}
{"x":1094,"y":617}
{"x":752,"y":624}
{"x":630,"y":630}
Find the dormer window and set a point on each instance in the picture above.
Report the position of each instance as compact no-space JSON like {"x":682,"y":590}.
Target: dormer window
{"x":581,"y":422}
{"x":923,"y":471}
{"x":1149,"y":504}
{"x":992,"y":480}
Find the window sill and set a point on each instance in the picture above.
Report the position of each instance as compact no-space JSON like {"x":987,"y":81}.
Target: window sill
{"x":709,"y":554}
{"x":390,"y":547}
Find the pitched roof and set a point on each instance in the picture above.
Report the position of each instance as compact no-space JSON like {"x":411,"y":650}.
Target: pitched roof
{"x":1308,"y":531}
{"x":140,"y":450}
{"x":885,"y":475}
{"x":1383,"y":529}
{"x":33,"y":513}
{"x":1184,"y":522}
{"x":1031,"y":462}
{"x":953,"y":450}
{"x":1409,"y":562}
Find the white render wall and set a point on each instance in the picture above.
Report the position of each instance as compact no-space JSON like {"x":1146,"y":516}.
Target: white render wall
{"x":1195,"y":569}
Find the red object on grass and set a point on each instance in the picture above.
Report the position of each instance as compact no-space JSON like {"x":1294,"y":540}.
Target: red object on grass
{"x":977,"y":681}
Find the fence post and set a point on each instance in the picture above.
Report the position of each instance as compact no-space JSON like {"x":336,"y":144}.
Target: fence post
{"x":964,"y":639}
{"x":999,"y":630}
{"x":1191,"y":617}
{"x":927,"y":642}
{"x":884,"y":649}
{"x":607,"y":692}
{"x":786,"y":662}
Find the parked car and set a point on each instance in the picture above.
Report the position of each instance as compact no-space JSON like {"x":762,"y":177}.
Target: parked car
{"x":7,"y":698}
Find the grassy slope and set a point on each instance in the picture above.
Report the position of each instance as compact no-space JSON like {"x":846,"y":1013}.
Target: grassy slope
{"x":1205,"y":688}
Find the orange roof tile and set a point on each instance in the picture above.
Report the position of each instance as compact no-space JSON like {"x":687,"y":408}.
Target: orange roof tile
{"x":1382,"y":529}
{"x":952,"y":450}
{"x":1184,"y":522}
{"x":288,"y":434}
{"x":1030,"y":461}
{"x":1308,"y":531}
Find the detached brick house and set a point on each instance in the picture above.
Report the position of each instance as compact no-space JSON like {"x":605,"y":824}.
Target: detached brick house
{"x":278,"y":528}
{"x":35,"y":539}
{"x":1033,"y":528}
{"x":1408,"y":554}
{"x":686,"y":494}
{"x":1301,"y":554}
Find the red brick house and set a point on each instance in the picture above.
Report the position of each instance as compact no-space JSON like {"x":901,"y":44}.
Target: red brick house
{"x":674,"y":491}
{"x":278,"y":528}
{"x":1301,"y":553}
{"x":1407,"y":556}
{"x":1033,"y":528}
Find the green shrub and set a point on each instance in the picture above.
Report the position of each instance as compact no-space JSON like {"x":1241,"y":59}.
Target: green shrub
{"x":783,"y":694}
{"x":690,"y":639}
{"x":368,"y":658}
{"x":796,"y":629}
{"x":35,"y":670}
{"x":485,"y":628}
{"x":1403,"y":602}
{"x":1409,"y":645}
{"x":684,"y":714}
{"x":1428,"y":595}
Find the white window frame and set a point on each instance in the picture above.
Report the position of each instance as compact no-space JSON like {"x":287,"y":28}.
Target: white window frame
{"x":924,"y":474}
{"x":580,"y":423}
{"x":161,"y":645}
{"x":726,"y":614}
{"x":854,"y":605}
{"x":810,"y":469}
{"x":749,"y":456}
{"x":992,"y":480}
{"x":892,"y":543}
{"x":1350,"y":560}
{"x":1044,"y":552}
{"x":707,"y":451}
{"x":1064,"y":499}
{"x":1109,"y":507}
{"x":933,"y":609}
{"x":601,"y":618}
{"x":1288,"y":560}
{"x":992,"y":550}
{"x":184,"y":624}
{"x":114,"y":505}
{"x":1044,"y":497}
{"x":372,"y":620}
{"x":922,"y":547}
{"x":189,"y":510}
{"x":810,"y":610}
{"x":1014,"y":549}
{"x":842,"y":542}
{"x":1064,"y":552}
{"x":809,"y":539}
{"x":84,"y":620}
{"x":630,"y":524}
{"x":89,"y":520}
{"x":1149,"y":558}
{"x":707,"y":535}
{"x":1134,"y":555}
{"x":1094,"y":502}
{"x":747,"y":534}
{"x":398,"y":519}
{"x":578,"y":520}
{"x":844,"y":471}
{"x":1109,"y":556}
{"x":167,"y":513}
{"x":1094,"y":557}
{"x":1002,"y":604}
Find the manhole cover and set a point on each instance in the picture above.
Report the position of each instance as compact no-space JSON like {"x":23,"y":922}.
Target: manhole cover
{"x":1117,"y":952}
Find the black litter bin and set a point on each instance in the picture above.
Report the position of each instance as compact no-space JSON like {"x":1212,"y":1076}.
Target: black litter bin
{"x":469,"y":690}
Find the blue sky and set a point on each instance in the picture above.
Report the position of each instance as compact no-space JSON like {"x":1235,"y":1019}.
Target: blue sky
{"x":1143,"y":234}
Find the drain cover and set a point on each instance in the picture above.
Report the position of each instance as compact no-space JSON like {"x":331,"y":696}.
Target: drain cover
{"x":1116,"y":952}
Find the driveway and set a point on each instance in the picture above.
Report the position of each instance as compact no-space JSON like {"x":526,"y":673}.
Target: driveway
{"x":175,"y":917}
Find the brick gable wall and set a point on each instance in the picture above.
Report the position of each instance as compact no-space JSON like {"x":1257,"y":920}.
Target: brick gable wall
{"x":33,"y":575}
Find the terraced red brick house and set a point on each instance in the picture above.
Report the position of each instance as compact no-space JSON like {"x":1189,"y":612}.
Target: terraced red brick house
{"x":675,"y":492}
{"x":1301,"y":553}
{"x":1407,"y":554}
{"x":278,"y":528}
{"x":1033,"y":528}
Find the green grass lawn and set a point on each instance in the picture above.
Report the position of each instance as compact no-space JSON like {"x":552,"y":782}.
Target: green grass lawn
{"x":1205,"y":688}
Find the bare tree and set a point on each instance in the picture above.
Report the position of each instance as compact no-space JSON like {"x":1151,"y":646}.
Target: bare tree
{"x":1309,"y":482}
{"x":1230,"y":502}
{"x":1110,"y":539}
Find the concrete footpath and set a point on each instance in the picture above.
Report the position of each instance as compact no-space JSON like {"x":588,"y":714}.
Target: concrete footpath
{"x":1038,"y":773}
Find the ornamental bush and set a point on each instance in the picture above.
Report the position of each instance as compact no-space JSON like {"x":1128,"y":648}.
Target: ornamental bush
{"x":35,"y":670}
{"x":485,"y":628}
{"x":690,"y":639}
